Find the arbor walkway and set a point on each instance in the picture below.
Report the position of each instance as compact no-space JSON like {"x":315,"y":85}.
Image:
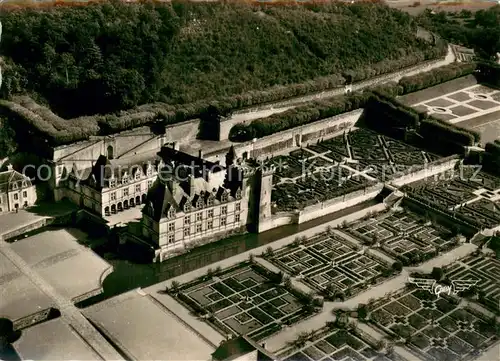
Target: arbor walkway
{"x":68,"y":310}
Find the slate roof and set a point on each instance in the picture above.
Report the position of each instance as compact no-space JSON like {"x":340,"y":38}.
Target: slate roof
{"x":11,"y":177}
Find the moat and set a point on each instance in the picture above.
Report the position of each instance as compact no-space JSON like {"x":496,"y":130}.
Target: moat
{"x":128,"y":275}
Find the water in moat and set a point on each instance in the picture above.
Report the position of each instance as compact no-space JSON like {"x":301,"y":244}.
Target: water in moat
{"x":129,"y":275}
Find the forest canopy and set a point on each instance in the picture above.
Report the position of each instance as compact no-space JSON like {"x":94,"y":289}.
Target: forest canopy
{"x":107,"y":57}
{"x":479,"y":30}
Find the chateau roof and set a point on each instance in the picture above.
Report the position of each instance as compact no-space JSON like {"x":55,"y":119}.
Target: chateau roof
{"x":11,"y":177}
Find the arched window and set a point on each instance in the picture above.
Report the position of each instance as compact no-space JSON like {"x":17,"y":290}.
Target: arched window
{"x":110,"y":152}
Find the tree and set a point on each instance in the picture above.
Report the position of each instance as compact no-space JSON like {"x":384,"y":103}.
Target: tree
{"x":174,"y":287}
{"x":397,"y":267}
{"x":362,"y":311}
{"x":437,"y":273}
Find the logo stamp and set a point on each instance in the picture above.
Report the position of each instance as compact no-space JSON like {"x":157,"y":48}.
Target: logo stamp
{"x":437,"y":289}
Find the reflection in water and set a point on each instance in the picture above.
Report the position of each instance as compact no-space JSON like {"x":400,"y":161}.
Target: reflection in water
{"x":128,"y":275}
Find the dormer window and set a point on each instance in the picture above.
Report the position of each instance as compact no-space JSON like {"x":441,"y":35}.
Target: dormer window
{"x":14,"y":186}
{"x":171,"y":213}
{"x":223,"y":197}
{"x":24,"y":184}
{"x":112,"y":183}
{"x":238,"y":194}
{"x":187,"y":208}
{"x":199,"y":203}
{"x":124,"y":179}
{"x":138,"y":175}
{"x":210,"y":201}
{"x":149,"y":170}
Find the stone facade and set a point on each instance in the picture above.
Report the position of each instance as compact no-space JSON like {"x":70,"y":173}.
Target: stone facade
{"x":195,"y":201}
{"x":16,"y":191}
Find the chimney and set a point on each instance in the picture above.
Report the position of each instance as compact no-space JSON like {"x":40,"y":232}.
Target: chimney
{"x":9,"y":167}
{"x":191,"y":185}
{"x":200,"y":153}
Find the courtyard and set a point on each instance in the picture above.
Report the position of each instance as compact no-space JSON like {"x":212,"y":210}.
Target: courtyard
{"x":462,"y":102}
{"x":434,"y":328}
{"x":243,"y":300}
{"x":403,"y":235}
{"x":326,"y":260}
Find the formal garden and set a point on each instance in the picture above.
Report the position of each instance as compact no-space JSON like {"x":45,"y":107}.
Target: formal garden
{"x":484,"y":269}
{"x":434,"y":328}
{"x":338,"y":340}
{"x":467,"y":194}
{"x":339,"y":166}
{"x":404,"y":235}
{"x":330,"y":265}
{"x":246,"y":299}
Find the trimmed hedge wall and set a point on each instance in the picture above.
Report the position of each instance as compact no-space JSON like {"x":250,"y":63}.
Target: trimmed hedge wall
{"x":435,"y":76}
{"x":385,"y":93}
{"x":489,"y":73}
{"x":298,"y":116}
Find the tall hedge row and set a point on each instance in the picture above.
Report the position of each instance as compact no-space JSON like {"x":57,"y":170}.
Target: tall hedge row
{"x":436,"y":76}
{"x":489,"y":72}
{"x":298,"y":116}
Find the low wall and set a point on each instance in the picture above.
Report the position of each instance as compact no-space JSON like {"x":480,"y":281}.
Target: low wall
{"x":338,"y":203}
{"x":278,"y":220}
{"x":290,"y":139}
{"x":429,"y":170}
{"x":322,"y":209}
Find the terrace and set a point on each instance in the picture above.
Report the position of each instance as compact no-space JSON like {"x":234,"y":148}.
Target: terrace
{"x":434,"y":328}
{"x":462,"y":102}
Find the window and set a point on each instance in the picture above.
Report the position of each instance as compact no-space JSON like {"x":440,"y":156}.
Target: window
{"x":199,"y":216}
{"x":16,"y":197}
{"x":198,"y":228}
{"x":171,"y":213}
{"x":186,"y":232}
{"x":210,"y":213}
{"x":210,"y":201}
{"x":112,"y":183}
{"x":150,"y":183}
{"x":125,"y":192}
{"x":137,"y":188}
{"x":113,"y":196}
{"x":223,"y":221}
{"x":187,"y":220}
{"x":224,"y":197}
{"x":171,"y":238}
{"x":236,"y":218}
{"x":138,"y":175}
{"x":25,"y":194}
{"x":210,"y":224}
{"x":124,"y":179}
{"x":14,"y":186}
{"x":149,"y":170}
{"x":223,"y":210}
{"x":171,"y":227}
{"x":186,"y":208}
{"x":237,"y":207}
